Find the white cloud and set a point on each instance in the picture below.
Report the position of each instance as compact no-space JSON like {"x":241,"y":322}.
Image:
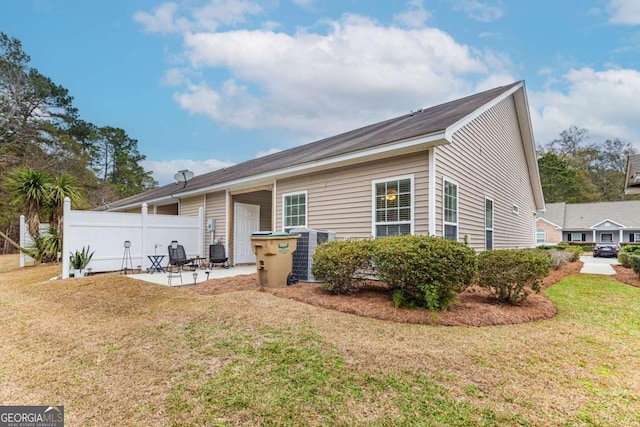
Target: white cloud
{"x":170,"y":17}
{"x":625,"y":12}
{"x":603,"y":102}
{"x":480,"y":11}
{"x":163,"y":171}
{"x":316,"y":84}
{"x":415,"y":17}
{"x":162,"y":19}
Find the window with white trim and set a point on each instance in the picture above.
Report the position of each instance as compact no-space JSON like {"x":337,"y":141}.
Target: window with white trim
{"x":636,"y":237}
{"x":294,"y":208}
{"x":575,"y":237}
{"x":488,"y":223}
{"x":393,"y":206}
{"x":541,"y":236}
{"x":450,"y":207}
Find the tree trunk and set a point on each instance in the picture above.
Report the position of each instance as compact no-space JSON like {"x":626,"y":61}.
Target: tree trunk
{"x":7,"y":239}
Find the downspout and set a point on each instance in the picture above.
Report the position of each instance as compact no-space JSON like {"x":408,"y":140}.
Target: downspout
{"x":432,"y":191}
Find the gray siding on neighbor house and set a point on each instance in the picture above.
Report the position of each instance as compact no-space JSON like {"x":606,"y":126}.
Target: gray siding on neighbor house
{"x":486,"y":158}
{"x":341,"y":200}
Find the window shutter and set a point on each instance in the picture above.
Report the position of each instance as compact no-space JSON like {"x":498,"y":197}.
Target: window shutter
{"x":584,"y":237}
{"x":569,"y":237}
{"x":631,"y":236}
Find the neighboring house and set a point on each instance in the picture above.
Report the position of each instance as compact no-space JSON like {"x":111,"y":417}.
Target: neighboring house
{"x":589,"y":222}
{"x":465,"y":170}
{"x":632,"y":181}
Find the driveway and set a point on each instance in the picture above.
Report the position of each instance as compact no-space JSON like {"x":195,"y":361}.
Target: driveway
{"x":598,"y":265}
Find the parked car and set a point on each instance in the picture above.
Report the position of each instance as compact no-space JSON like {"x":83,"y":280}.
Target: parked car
{"x":606,"y":250}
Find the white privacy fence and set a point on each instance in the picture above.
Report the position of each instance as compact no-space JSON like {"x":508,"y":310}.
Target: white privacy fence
{"x":105,"y":233}
{"x":26,"y":240}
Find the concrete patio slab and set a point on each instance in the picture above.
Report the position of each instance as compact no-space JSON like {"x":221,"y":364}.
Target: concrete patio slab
{"x":160,"y":278}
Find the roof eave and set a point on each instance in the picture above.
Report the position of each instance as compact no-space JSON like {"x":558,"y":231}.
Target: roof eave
{"x":403,"y":146}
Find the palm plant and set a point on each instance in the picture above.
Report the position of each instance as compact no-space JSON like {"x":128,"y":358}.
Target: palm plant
{"x":61,"y":187}
{"x":30,"y":188}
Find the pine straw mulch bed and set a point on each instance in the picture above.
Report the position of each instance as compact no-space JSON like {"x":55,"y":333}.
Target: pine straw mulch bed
{"x":473,"y":307}
{"x":626,"y":275}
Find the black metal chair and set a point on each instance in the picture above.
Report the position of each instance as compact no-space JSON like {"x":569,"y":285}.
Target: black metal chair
{"x":217,"y":255}
{"x":178,"y":256}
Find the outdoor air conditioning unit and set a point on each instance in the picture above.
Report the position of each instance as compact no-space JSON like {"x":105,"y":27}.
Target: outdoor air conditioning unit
{"x":307,"y":243}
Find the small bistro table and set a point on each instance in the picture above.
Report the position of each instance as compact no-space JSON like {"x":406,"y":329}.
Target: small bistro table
{"x":156,"y":263}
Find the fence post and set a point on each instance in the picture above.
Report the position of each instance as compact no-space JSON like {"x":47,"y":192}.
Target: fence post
{"x":143,"y":260}
{"x":66,"y":221}
{"x":201,"y":232}
{"x":22,"y":240}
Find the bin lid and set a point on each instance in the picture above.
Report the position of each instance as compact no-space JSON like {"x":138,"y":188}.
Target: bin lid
{"x":283,"y":234}
{"x":261,"y":233}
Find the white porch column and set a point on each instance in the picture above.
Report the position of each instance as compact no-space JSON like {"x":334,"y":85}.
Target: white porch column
{"x":594,"y":236}
{"x":621,"y":236}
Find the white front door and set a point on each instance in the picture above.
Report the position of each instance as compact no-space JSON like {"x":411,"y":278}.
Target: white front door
{"x":246,"y":222}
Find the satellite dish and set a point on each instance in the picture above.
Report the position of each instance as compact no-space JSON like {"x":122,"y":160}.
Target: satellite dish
{"x":183,"y":176}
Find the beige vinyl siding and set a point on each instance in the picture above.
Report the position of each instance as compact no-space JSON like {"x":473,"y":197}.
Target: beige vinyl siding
{"x":216,"y":208}
{"x":341,"y":200}
{"x":486,"y":158}
{"x":189,"y":205}
{"x":171,"y":209}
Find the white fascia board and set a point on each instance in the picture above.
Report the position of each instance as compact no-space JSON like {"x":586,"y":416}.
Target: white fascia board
{"x":595,"y":226}
{"x":553,"y":224}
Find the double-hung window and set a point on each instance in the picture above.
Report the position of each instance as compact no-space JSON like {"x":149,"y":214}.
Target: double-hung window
{"x":541,"y":236}
{"x":450,"y":207}
{"x":393,"y":210}
{"x":488,"y":223}
{"x":294,"y":210}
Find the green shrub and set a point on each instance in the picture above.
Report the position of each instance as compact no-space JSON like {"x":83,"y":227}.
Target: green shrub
{"x":631,"y":248}
{"x":507,"y":273}
{"x":558,"y":258}
{"x":336,"y":262}
{"x":424,"y":271}
{"x":625,"y":259}
{"x":575,"y":252}
{"x":635,"y":264}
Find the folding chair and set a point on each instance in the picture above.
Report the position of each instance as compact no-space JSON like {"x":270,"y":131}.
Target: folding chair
{"x":217,"y":255}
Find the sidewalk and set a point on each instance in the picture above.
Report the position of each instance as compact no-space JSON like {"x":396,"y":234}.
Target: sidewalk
{"x":598,"y":265}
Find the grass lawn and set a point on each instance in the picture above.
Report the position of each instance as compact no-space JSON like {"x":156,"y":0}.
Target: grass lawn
{"x":116,"y":351}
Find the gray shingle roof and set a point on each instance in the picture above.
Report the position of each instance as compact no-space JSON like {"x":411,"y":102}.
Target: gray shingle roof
{"x":428,"y":121}
{"x":582,"y":216}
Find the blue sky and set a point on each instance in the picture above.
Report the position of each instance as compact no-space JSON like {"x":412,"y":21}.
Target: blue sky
{"x":202,"y":84}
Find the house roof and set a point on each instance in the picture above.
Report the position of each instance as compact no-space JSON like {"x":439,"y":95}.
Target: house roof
{"x":632,"y":182}
{"x":554,"y":213}
{"x":583,"y":216}
{"x":424,"y":127}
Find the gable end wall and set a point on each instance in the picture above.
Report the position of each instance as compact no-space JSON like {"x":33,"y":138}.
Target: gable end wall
{"x":486,"y":158}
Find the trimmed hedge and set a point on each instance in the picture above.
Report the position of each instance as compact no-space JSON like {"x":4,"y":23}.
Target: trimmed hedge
{"x":336,"y":262}
{"x":625,"y":259}
{"x":635,"y":264}
{"x":425,"y":271}
{"x":509,"y":273}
